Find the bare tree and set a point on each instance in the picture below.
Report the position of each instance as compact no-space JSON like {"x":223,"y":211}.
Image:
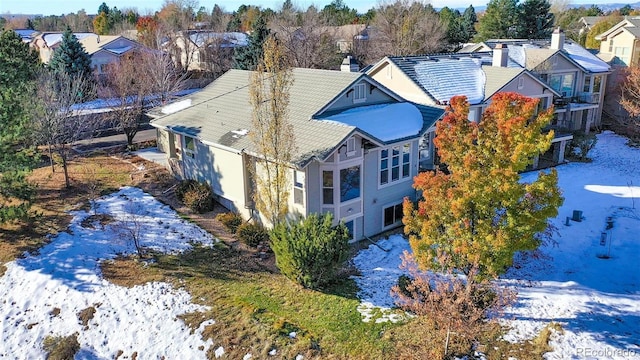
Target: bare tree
{"x":406,"y":27}
{"x":630,"y":101}
{"x":129,"y":90}
{"x":217,"y":55}
{"x":309,"y":43}
{"x":165,"y":79}
{"x":131,"y":225}
{"x":272,"y":133}
{"x":58,"y":122}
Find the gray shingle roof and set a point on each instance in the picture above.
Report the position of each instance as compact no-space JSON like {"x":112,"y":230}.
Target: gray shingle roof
{"x":220,"y":112}
{"x":497,"y":78}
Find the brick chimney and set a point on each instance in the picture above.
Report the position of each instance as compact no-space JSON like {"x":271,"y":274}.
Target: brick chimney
{"x":500,"y":55}
{"x":557,"y":39}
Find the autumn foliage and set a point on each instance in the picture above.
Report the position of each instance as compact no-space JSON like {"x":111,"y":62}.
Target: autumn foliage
{"x":478,"y":213}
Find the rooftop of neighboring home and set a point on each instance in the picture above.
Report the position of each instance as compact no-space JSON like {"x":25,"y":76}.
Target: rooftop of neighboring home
{"x":442,"y":76}
{"x":531,"y":53}
{"x":51,"y":39}
{"x":228,"y":39}
{"x":630,"y":24}
{"x":114,"y":44}
{"x":220,"y":114}
{"x":26,"y":34}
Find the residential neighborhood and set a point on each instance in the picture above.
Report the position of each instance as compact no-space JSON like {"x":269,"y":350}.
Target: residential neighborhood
{"x":384,"y":181}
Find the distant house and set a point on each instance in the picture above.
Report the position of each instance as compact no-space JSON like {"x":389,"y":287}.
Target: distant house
{"x":191,"y":49}
{"x":103,"y":49}
{"x":356,"y":146}
{"x":619,"y":44}
{"x":587,"y":22}
{"x":434,"y":79}
{"x":27,"y":35}
{"x":47,"y":42}
{"x":343,"y":36}
{"x":572,"y":71}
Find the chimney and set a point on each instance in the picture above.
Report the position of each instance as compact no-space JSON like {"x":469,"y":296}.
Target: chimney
{"x":500,"y":55}
{"x":557,"y":39}
{"x":349,"y":64}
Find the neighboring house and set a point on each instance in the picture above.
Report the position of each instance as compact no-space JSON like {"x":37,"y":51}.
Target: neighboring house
{"x":587,"y":22}
{"x":434,"y":79}
{"x":190,"y":48}
{"x":575,"y":73}
{"x":619,"y":45}
{"x":343,"y":36}
{"x":47,"y":42}
{"x":103,"y":49}
{"x":356,"y":147}
{"x":106,"y":49}
{"x":27,"y":35}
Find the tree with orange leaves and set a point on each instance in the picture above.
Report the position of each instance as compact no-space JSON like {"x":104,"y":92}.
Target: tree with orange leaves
{"x":478,"y":214}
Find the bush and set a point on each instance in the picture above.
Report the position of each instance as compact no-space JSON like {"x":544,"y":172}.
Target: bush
{"x":311,"y":250}
{"x":581,"y":145}
{"x":195,"y":195}
{"x":61,"y":347}
{"x":230,"y":220}
{"x":252,"y":234}
{"x":183,"y":187}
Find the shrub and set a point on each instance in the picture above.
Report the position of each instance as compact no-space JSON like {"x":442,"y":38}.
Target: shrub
{"x":183,"y":187}
{"x":230,"y":220}
{"x":61,"y":347}
{"x":252,"y":234}
{"x":311,"y":250}
{"x":195,"y":195}
{"x":581,"y":145}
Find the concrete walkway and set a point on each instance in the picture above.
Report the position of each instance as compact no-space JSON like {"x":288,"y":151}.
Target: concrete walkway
{"x":154,"y":155}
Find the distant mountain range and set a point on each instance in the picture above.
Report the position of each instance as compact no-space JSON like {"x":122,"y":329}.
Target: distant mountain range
{"x":603,"y":7}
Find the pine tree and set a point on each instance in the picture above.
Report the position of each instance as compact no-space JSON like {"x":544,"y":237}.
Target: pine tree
{"x":478,"y":214}
{"x":468,"y":23}
{"x":18,"y":66}
{"x":534,"y":19}
{"x":248,"y":57}
{"x":499,"y":21}
{"x":71,"y":58}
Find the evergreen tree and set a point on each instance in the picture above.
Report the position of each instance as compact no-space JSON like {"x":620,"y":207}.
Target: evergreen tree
{"x":71,"y":58}
{"x":18,"y":66}
{"x":499,"y":21}
{"x":534,"y":19}
{"x":103,"y":9}
{"x":468,"y":24}
{"x":452,"y":20}
{"x":248,"y":57}
{"x":479,"y":214}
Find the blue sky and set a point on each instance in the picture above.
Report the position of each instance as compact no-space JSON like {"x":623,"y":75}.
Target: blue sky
{"x":58,"y":7}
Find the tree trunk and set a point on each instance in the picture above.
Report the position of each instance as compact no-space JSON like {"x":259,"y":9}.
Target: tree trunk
{"x":53,"y":169}
{"x":67,"y":184}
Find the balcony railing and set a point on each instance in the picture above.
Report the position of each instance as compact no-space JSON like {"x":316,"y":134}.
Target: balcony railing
{"x":590,"y":98}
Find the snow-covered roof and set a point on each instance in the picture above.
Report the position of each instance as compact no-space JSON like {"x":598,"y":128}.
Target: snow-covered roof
{"x":585,"y":58}
{"x":53,"y":38}
{"x":119,"y":50}
{"x":229,"y":39}
{"x":445,"y":78}
{"x":374,"y":120}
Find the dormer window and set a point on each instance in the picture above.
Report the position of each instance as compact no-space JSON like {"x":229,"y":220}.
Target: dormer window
{"x":351,"y":146}
{"x":359,"y":93}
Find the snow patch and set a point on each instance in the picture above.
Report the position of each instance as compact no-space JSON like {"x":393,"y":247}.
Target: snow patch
{"x":176,"y":106}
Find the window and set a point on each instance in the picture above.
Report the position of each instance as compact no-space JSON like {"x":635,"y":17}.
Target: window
{"x":349,"y":183}
{"x":597,"y":80}
{"x":389,"y":72}
{"x":351,"y":146}
{"x":392,"y":215}
{"x":327,"y":187}
{"x":359,"y":93}
{"x":562,"y":83}
{"x":349,"y":225}
{"x":520,"y":82}
{"x":395,"y":163}
{"x":189,"y":146}
{"x":623,"y":54}
{"x":610,"y":46}
{"x":298,"y":187}
{"x":587,"y":84}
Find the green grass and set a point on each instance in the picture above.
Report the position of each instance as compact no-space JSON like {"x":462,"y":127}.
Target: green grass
{"x":255,"y":310}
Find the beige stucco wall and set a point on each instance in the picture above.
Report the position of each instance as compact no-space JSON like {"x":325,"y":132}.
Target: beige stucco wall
{"x":392,"y":77}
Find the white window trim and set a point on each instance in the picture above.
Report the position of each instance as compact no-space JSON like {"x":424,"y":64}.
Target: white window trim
{"x":336,"y":186}
{"x":362,"y":91}
{"x":351,"y":146}
{"x":395,"y":224}
{"x":401,"y":179}
{"x":191,"y":153}
{"x":299,"y":185}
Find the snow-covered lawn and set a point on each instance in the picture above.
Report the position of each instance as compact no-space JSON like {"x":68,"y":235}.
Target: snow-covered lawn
{"x":596,"y":300}
{"x":41,"y":295}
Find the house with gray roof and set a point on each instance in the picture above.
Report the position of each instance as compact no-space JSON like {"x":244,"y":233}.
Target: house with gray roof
{"x":356,"y":145}
{"x":192,"y":49}
{"x":579,"y":76}
{"x":434,"y":79}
